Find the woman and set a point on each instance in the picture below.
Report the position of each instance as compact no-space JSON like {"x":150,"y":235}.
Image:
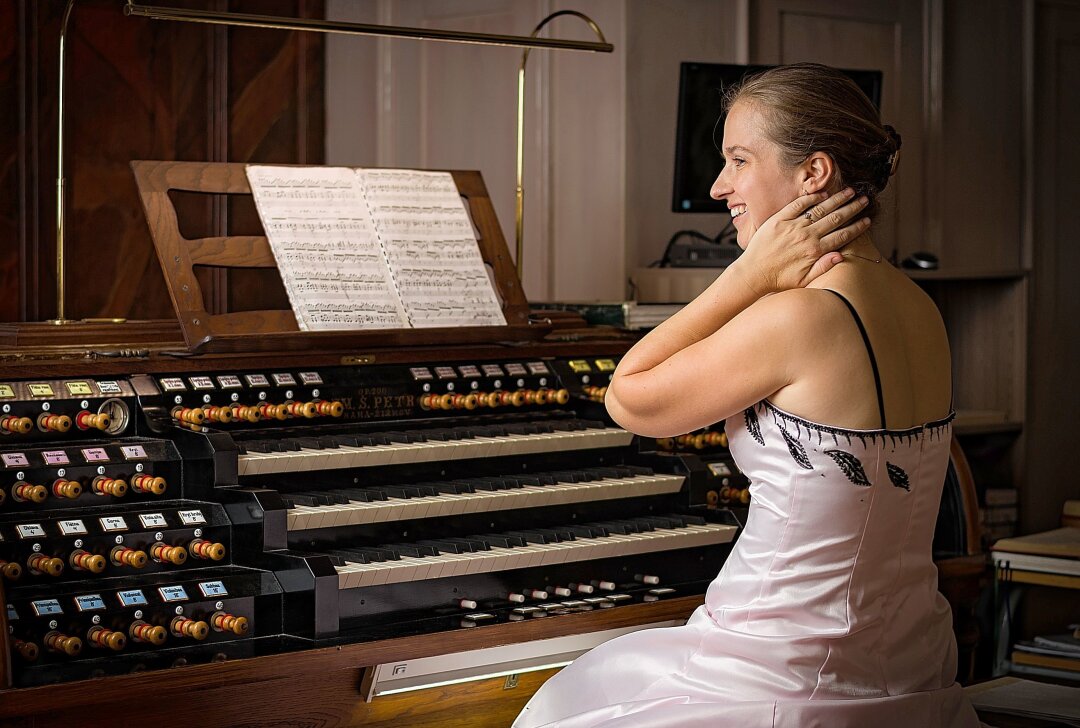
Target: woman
{"x":831,"y":369}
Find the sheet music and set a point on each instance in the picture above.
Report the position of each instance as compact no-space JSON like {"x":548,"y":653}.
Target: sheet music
{"x":327,"y":249}
{"x":431,"y":248}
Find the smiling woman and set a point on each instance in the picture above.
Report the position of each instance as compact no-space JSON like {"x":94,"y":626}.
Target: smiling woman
{"x":831,"y":370}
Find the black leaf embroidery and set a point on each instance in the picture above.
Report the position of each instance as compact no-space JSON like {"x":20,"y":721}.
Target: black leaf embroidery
{"x":798,"y":454}
{"x":898,"y":477}
{"x":851,"y":466}
{"x":752,"y":425}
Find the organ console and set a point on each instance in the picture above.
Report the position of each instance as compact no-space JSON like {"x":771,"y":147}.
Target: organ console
{"x":244,"y":525}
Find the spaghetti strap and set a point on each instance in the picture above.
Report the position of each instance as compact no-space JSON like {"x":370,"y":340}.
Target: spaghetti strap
{"x":869,"y":351}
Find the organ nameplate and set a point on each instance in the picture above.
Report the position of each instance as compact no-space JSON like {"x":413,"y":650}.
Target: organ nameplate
{"x":229,"y":381}
{"x":6,"y":391}
{"x":579,"y":366}
{"x":284,"y":380}
{"x":172,"y":593}
{"x":11,"y":613}
{"x":310,"y":378}
{"x":605,"y":365}
{"x":95,"y":455}
{"x":516,"y":370}
{"x":492,"y":370}
{"x":538,"y":367}
{"x":720,"y":469}
{"x":190,"y":518}
{"x":469,"y":371}
{"x":132,"y":598}
{"x":200,"y":383}
{"x":257,"y":380}
{"x":152,"y":520}
{"x":133,"y":452}
{"x":420,"y":373}
{"x":445,"y":373}
{"x":46,"y":607}
{"x":55,"y":457}
{"x":213,"y":589}
{"x":89,"y":602}
{"x":30,"y":530}
{"x":74,"y":527}
{"x":77,"y":389}
{"x":113,"y":523}
{"x":40,"y":390}
{"x":173,"y":384}
{"x":109,"y":387}
{"x":14,"y":460}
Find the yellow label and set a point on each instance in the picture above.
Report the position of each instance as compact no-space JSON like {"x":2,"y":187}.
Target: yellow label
{"x":78,"y":388}
{"x":579,"y":365}
{"x":6,"y":392}
{"x":41,"y":390}
{"x":605,"y":365}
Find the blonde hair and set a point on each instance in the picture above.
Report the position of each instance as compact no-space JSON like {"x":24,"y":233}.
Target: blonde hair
{"x":811,"y":108}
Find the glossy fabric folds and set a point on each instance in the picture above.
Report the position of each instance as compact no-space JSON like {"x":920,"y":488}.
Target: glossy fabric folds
{"x":826,"y":613}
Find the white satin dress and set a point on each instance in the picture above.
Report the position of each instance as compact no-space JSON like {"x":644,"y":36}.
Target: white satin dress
{"x":826,"y":613}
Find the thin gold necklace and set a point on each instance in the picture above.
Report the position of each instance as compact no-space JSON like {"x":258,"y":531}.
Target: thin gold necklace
{"x":856,"y":255}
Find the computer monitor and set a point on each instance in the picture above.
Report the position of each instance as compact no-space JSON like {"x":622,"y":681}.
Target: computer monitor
{"x":700,"y":128}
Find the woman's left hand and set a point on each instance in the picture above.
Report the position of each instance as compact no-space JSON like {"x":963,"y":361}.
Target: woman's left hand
{"x":799,"y":242}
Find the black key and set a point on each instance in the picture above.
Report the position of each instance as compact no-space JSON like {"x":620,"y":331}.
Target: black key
{"x":336,"y":560}
{"x":444,"y":547}
{"x":472,"y":544}
{"x":351,"y":555}
{"x":638,"y":469}
{"x":689,"y":519}
{"x":378,"y":554}
{"x":302,"y":499}
{"x":308,"y":443}
{"x":583,"y":531}
{"x":536,"y":536}
{"x":289,"y":445}
{"x":503,"y":540}
{"x":330,"y":443}
{"x":321,"y":499}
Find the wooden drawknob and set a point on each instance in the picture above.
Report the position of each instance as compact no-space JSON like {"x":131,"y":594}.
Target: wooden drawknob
{"x":175,"y":555}
{"x":184,"y":627}
{"x":87,"y":420}
{"x":141,"y":631}
{"x":42,"y":564}
{"x":303,"y":409}
{"x":519,"y":397}
{"x":245,"y":413}
{"x":218,"y":414}
{"x":124,"y":556}
{"x":331,"y":409}
{"x":223,"y":622}
{"x":102,"y":637}
{"x":53,"y":423}
{"x":83,"y":560}
{"x":62,"y":488}
{"x":23,"y":491}
{"x":189,"y":415}
{"x":200,"y":548}
{"x":27,"y":650}
{"x":562,"y":396}
{"x":62,"y":643}
{"x":144,"y":483}
{"x":10,"y":569}
{"x":273,"y":411}
{"x":16,"y":425}
{"x":104,"y":485}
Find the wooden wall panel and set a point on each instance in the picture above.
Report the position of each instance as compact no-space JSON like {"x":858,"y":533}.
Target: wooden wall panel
{"x":1054,"y":399}
{"x":136,"y":89}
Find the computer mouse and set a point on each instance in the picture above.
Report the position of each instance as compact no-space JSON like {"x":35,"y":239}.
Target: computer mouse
{"x":921,"y":260}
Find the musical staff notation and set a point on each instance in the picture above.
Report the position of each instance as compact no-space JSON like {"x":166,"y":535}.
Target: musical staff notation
{"x":374,"y":248}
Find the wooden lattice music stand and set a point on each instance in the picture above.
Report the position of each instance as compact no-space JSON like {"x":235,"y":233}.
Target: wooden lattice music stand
{"x":277,"y":330}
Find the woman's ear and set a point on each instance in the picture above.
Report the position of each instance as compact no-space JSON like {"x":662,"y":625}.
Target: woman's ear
{"x":817,"y":173}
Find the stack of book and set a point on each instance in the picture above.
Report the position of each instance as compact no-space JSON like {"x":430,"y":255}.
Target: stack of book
{"x":999,"y":514}
{"x":1070,"y":514}
{"x":1050,"y":552}
{"x":1055,"y":651}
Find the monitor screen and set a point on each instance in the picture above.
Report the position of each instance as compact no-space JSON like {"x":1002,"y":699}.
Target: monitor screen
{"x":700,"y":128}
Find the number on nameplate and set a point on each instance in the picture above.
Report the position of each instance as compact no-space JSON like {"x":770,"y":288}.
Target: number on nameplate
{"x":153,"y":520}
{"x":190,"y":518}
{"x":173,"y":593}
{"x":89,"y":602}
{"x":113,"y":523}
{"x":213,"y":589}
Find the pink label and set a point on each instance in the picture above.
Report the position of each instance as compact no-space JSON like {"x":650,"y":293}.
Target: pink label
{"x":55,"y":457}
{"x":95,"y":455}
{"x":14,"y":460}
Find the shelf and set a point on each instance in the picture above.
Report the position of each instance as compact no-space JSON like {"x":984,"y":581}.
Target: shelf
{"x":984,"y":422}
{"x":962,"y":274}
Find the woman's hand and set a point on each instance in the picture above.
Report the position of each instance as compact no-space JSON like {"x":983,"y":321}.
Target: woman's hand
{"x":799,"y":242}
